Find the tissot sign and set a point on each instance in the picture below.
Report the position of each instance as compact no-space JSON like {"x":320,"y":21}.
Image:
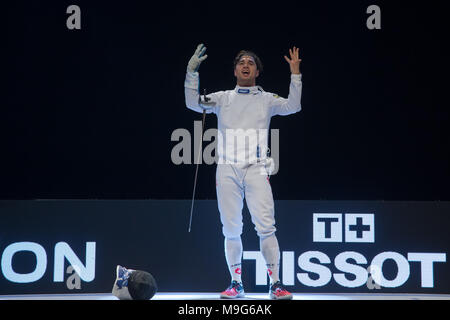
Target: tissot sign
{"x":355,"y":269}
{"x":326,"y":246}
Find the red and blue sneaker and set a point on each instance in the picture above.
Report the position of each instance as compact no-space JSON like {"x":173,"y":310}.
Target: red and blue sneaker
{"x":277,"y":292}
{"x":235,"y":290}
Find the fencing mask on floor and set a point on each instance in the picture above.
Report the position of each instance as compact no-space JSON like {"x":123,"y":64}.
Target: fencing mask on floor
{"x":133,"y":284}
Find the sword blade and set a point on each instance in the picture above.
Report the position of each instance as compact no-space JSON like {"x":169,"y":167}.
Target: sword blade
{"x":196,"y":171}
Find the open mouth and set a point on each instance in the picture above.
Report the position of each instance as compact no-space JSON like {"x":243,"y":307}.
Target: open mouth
{"x":246,"y":73}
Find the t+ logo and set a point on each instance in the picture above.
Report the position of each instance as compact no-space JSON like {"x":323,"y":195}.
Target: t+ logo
{"x":332,"y":227}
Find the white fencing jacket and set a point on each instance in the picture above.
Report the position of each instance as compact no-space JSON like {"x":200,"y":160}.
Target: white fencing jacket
{"x":243,"y":116}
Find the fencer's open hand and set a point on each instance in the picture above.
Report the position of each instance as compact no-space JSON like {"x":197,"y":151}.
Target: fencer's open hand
{"x":294,"y":61}
{"x":198,"y":57}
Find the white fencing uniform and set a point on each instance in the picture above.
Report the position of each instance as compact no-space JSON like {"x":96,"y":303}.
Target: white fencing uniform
{"x":243,"y":124}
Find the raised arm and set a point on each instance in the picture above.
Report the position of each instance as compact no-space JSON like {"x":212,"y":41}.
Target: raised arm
{"x":282,"y":106}
{"x":192,"y":81}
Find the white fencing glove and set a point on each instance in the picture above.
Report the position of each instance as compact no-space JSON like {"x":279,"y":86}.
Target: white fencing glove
{"x":198,"y":57}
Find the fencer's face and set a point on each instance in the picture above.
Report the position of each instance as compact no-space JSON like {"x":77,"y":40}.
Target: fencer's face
{"x":246,"y":71}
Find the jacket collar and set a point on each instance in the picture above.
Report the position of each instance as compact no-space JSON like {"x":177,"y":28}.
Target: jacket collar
{"x":248,"y":90}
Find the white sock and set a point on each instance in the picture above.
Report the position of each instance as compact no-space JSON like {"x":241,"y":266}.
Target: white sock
{"x":233,"y":254}
{"x":271,"y":253}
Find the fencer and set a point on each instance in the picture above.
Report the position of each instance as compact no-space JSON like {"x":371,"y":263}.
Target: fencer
{"x":244,"y":115}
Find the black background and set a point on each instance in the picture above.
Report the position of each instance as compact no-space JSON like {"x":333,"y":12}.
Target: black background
{"x":89,"y":113}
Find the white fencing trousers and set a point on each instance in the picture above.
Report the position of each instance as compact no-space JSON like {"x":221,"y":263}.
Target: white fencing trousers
{"x":233,"y":184}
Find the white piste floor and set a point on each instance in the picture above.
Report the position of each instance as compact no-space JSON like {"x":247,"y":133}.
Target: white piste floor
{"x":249,"y":296}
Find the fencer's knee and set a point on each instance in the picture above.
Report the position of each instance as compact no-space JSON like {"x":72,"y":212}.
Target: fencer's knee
{"x":265,"y":232}
{"x":235,"y":239}
{"x":231,"y":233}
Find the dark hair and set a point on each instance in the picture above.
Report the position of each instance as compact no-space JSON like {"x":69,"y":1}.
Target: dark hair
{"x":242,"y":53}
